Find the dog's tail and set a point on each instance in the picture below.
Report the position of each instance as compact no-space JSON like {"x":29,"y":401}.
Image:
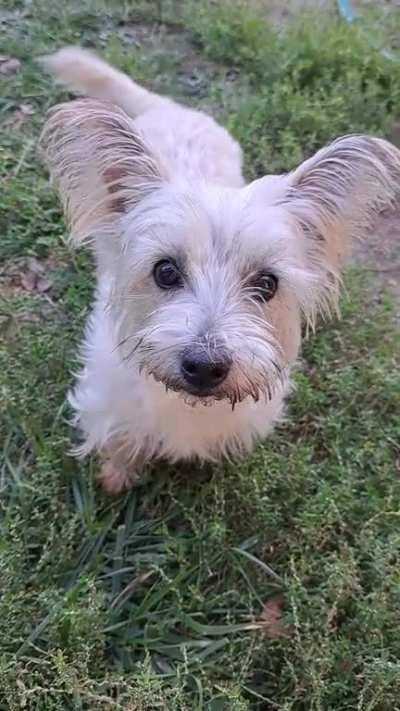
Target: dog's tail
{"x":84,"y":72}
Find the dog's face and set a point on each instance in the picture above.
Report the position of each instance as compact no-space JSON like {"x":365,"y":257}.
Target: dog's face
{"x":210,"y":284}
{"x":210,"y":296}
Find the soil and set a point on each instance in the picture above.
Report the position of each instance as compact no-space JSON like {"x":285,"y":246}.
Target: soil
{"x":380,"y":254}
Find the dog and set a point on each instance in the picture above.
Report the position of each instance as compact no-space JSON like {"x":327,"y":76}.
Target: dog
{"x":203,"y":281}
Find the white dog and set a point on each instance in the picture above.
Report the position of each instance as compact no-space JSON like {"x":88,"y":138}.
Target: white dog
{"x":202,"y":280}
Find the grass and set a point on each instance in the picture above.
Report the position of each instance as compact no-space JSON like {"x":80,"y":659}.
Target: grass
{"x":166,"y":598}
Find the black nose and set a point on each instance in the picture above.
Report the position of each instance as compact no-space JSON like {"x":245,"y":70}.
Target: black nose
{"x":203,"y":373}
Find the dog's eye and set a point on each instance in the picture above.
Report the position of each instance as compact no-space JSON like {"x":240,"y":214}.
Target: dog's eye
{"x":265,"y":287}
{"x":167,"y":275}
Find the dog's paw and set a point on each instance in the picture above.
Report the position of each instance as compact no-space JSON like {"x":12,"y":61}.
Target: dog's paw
{"x":115,"y":479}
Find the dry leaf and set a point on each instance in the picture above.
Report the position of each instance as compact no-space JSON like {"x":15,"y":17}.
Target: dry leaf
{"x":22,"y":113}
{"x":34,"y":278}
{"x":27,"y":109}
{"x":19,"y":116}
{"x":43,"y":285}
{"x":28,"y":281}
{"x":270,"y":619}
{"x":128,"y":591}
{"x":9,"y":65}
{"x":35,"y":266}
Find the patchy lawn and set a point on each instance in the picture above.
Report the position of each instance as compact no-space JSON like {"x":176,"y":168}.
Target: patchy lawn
{"x":273,"y":583}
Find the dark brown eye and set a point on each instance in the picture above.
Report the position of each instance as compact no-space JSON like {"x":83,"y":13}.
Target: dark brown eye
{"x":167,"y":275}
{"x":265,"y":287}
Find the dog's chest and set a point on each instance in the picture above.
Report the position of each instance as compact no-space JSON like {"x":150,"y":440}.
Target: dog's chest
{"x":115,"y":402}
{"x":176,"y":430}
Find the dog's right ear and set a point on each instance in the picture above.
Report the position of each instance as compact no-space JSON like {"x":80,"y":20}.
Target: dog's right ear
{"x":99,"y":164}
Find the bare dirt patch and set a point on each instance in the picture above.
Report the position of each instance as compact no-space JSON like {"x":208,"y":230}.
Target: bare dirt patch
{"x":380,"y":254}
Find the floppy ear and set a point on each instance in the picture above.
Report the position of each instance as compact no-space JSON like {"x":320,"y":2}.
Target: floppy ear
{"x":99,"y":164}
{"x":334,"y":197}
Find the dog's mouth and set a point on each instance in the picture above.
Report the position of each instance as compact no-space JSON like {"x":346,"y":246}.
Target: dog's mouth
{"x":189,"y":393}
{"x":206,"y":397}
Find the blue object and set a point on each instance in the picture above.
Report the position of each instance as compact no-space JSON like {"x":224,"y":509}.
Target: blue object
{"x":346,"y":10}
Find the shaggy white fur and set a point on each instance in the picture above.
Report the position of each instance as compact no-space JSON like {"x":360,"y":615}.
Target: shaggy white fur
{"x":146,"y":182}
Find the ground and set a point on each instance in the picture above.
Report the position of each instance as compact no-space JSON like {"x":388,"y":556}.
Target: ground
{"x":271,"y":583}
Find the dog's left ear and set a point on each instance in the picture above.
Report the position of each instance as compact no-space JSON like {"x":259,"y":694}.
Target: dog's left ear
{"x":334,"y":197}
{"x":100,"y":165}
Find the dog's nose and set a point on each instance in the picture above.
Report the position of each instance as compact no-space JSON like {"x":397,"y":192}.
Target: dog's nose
{"x":203,"y":373}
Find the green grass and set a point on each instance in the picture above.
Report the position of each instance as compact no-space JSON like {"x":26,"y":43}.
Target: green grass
{"x":149,"y":601}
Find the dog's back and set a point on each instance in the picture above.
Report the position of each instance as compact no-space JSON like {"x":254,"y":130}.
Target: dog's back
{"x":190,"y":143}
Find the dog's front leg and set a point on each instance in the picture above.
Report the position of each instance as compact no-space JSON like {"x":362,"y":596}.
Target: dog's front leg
{"x":119,"y":472}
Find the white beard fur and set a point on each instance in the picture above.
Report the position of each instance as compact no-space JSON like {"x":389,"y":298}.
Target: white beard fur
{"x":113,"y":401}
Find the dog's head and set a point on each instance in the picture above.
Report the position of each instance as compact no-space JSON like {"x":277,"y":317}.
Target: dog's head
{"x":210,"y":284}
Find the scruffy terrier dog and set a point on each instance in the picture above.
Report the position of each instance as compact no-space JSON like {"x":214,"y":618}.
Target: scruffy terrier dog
{"x":202,"y":281}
